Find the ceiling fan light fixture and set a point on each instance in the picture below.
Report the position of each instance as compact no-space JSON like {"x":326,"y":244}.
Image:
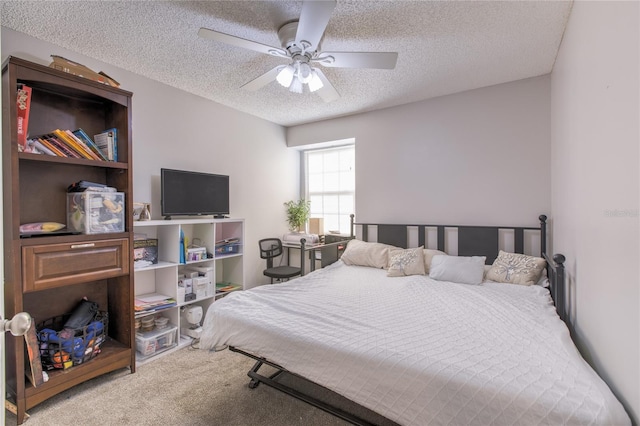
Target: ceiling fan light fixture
{"x":285,"y":76}
{"x":304,"y":73}
{"x":315,"y":83}
{"x":296,"y":85}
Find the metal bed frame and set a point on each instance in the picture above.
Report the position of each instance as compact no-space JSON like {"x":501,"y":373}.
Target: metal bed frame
{"x":472,"y":241}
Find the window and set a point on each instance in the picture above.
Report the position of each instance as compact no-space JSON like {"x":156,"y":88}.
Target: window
{"x":331,"y":185}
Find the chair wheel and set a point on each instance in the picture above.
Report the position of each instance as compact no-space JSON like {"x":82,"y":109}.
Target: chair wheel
{"x":253,"y":384}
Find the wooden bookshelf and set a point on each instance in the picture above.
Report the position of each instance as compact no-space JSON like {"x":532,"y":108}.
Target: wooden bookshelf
{"x":35,"y":191}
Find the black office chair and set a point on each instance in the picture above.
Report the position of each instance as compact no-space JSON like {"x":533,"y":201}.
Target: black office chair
{"x":269,"y":249}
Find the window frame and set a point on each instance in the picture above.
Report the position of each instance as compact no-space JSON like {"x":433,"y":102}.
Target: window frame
{"x":306,"y":194}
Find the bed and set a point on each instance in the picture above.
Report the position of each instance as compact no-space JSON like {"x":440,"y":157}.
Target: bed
{"x":423,"y":348}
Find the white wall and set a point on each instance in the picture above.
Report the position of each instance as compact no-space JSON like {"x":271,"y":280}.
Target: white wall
{"x":174,"y":129}
{"x":477,"y":157}
{"x":595,"y":134}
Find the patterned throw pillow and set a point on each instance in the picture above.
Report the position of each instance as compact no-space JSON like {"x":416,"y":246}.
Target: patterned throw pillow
{"x":516,"y":268}
{"x":403,"y":262}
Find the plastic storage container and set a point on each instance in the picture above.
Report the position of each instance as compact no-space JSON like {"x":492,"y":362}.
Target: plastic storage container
{"x":156,"y":341}
{"x":95,"y":212}
{"x":229,"y":248}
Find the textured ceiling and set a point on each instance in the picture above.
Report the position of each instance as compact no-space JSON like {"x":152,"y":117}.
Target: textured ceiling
{"x":443,"y":47}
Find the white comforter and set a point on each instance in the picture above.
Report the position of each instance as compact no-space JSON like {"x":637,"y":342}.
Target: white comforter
{"x":419,"y":351}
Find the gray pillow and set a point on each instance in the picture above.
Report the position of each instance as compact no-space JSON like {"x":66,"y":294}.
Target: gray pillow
{"x":457,"y":269}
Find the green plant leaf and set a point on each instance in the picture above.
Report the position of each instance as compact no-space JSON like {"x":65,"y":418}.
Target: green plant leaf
{"x":298,"y":213}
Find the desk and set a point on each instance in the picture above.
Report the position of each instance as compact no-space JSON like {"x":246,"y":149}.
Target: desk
{"x":329,"y":251}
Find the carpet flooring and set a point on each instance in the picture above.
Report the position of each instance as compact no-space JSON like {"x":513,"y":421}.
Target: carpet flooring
{"x":186,"y":387}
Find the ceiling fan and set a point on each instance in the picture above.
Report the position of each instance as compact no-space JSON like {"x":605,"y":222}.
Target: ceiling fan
{"x":301,"y":45}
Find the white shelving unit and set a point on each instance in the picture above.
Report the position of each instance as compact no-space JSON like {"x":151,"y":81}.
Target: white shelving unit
{"x":162,"y":277}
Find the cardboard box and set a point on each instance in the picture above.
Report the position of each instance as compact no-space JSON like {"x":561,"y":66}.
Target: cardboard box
{"x":316,"y":225}
{"x":64,"y":64}
{"x":206,"y":272}
{"x":200,"y":287}
{"x":145,"y":252}
{"x":95,"y":212}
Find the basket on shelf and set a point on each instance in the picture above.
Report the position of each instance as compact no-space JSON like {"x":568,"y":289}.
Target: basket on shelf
{"x":63,"y":348}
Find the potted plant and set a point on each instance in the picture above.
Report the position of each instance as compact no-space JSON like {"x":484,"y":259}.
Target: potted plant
{"x":298,"y":213}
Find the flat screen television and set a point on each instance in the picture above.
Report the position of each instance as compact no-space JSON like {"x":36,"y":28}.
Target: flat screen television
{"x":185,"y":193}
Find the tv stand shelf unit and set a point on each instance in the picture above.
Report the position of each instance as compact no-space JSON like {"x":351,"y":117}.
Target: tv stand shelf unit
{"x":48,"y":275}
{"x":162,"y":278}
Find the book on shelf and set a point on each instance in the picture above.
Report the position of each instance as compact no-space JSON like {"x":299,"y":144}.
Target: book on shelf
{"x":65,"y":143}
{"x":35,"y":374}
{"x":107,"y":142}
{"x":84,"y":185}
{"x":24,"y":106}
{"x":225,"y":287}
{"x":66,"y":150}
{"x":83,"y":145}
{"x":51,"y":147}
{"x":82,"y":135}
{"x":72,"y":143}
{"x":151,"y":302}
{"x":37,"y":147}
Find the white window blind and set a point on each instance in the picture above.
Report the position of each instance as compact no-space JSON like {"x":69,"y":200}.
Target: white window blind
{"x":331,"y":185}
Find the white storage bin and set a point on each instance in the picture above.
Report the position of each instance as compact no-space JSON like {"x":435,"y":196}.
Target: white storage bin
{"x":206,"y":272}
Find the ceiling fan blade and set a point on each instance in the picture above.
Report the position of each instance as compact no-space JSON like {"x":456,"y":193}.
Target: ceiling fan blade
{"x":241,"y":42}
{"x":328,"y":93}
{"x":263,"y":80}
{"x":313,"y":21}
{"x":377,"y":60}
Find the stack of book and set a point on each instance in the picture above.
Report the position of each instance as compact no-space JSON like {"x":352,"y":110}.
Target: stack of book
{"x":225,"y":287}
{"x":63,"y":143}
{"x":152,"y":302}
{"x":76,"y":144}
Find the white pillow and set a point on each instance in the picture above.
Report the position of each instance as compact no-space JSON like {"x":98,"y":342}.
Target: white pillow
{"x":457,"y":269}
{"x":362,"y":253}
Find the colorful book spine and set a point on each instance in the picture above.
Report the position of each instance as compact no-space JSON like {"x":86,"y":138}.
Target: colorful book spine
{"x":36,"y":145}
{"x":68,"y":152}
{"x":82,"y":135}
{"x":64,"y":138}
{"x":51,"y":147}
{"x":24,"y":106}
{"x":83,"y":145}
